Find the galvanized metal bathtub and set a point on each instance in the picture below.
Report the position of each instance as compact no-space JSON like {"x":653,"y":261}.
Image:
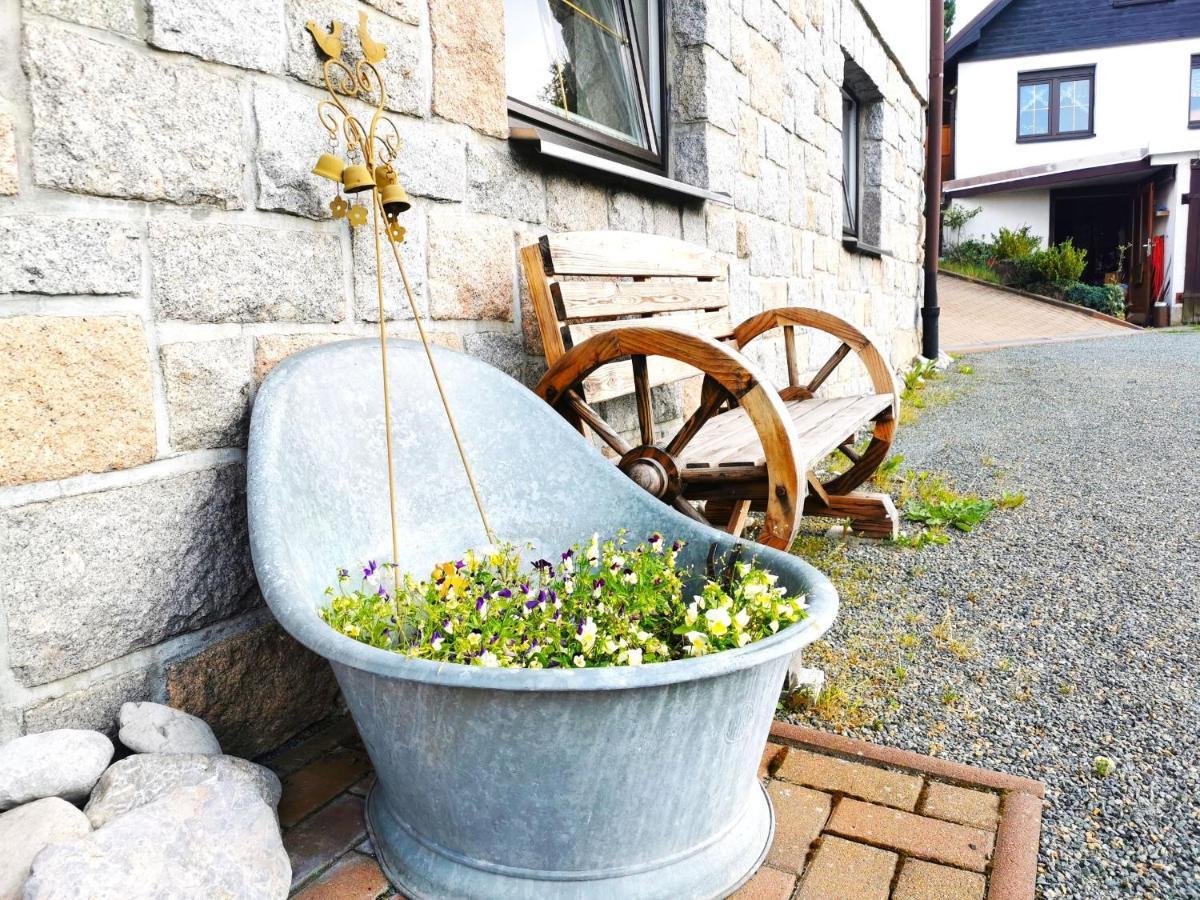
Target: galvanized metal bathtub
{"x":593,"y":783}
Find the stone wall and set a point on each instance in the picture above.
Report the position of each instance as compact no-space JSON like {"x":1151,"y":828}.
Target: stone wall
{"x":163,"y":245}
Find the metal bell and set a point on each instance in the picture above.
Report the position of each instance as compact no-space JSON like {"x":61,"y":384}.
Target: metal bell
{"x":384,"y":175}
{"x":329,"y":166}
{"x":357,"y":178}
{"x":395,"y":199}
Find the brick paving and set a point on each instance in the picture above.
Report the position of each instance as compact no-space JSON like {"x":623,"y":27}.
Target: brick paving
{"x":853,"y":821}
{"x":978,"y":317}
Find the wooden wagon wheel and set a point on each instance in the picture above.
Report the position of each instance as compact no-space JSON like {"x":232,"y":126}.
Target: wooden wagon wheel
{"x":862,"y":466}
{"x":654,"y":466}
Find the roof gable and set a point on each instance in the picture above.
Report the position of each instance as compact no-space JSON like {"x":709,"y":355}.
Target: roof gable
{"x":1029,"y":27}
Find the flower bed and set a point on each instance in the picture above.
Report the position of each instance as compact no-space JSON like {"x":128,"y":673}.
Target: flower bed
{"x":602,"y":604}
{"x":1016,"y":259}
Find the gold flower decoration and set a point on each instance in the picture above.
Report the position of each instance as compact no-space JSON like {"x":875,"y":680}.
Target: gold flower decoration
{"x":338,"y":206}
{"x":358,"y":216}
{"x":395,"y":232}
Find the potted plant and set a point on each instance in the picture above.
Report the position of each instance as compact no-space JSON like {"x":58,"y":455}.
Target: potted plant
{"x":499,"y":780}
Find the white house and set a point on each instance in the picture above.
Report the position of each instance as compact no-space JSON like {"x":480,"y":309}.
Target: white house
{"x":1081,"y":119}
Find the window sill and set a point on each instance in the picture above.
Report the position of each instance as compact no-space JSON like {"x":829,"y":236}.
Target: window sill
{"x":541,"y":143}
{"x":853,"y":245}
{"x":1046,"y":138}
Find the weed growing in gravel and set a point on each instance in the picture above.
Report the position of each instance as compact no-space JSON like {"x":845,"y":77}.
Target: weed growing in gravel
{"x":966,"y":370}
{"x":949,"y":696}
{"x":1011,"y":500}
{"x":963,"y":513}
{"x":1103,"y":766}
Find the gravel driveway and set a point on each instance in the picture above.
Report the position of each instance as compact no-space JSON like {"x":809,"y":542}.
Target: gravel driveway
{"x":1079,"y":609}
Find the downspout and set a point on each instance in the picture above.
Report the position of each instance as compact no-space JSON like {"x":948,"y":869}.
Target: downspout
{"x":933,"y":178}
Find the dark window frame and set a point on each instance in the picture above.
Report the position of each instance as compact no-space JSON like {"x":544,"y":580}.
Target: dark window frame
{"x":607,"y":146}
{"x":1055,"y":77}
{"x":1192,"y":70}
{"x":851,"y":230}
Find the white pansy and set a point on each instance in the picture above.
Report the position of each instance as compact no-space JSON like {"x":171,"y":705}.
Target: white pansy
{"x":488,"y":660}
{"x":635,"y":657}
{"x":587,"y":637}
{"x":630,"y":578}
{"x":580,"y":662}
{"x":718,"y":620}
{"x":742,"y":618}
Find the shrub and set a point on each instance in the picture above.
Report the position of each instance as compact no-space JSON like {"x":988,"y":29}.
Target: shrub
{"x":971,"y":252}
{"x":1059,"y":265}
{"x":955,"y":218}
{"x":1109,"y":299}
{"x":1017,"y":244}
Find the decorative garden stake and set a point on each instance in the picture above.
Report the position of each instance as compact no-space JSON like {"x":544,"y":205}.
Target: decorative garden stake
{"x":370,"y":172}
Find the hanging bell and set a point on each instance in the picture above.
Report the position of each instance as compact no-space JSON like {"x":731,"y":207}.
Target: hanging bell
{"x":357,"y":178}
{"x":329,"y":166}
{"x":395,"y":199}
{"x":384,"y":175}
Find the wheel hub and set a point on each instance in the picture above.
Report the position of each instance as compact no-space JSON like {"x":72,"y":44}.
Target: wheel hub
{"x":652,"y":470}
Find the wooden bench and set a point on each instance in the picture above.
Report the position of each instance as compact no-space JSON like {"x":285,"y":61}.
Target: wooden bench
{"x":620,"y":313}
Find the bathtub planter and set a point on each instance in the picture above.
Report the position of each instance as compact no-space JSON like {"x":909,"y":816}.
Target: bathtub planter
{"x":610,"y":782}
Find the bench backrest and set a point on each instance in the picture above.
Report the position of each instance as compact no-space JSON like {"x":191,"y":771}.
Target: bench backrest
{"x":585,"y":282}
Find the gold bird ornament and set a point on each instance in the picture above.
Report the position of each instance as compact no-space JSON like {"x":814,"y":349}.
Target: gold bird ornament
{"x":372,"y":49}
{"x":331,"y":44}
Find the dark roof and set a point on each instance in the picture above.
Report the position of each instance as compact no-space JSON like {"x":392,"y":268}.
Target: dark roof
{"x":970,"y":33}
{"x":1029,"y":27}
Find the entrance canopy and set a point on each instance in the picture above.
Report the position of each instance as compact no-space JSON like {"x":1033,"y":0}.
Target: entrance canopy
{"x":1114,"y":168}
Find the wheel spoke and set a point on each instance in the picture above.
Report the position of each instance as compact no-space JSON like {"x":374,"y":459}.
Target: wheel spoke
{"x":789,"y":346}
{"x":645,"y":405}
{"x":593,"y":420}
{"x":826,"y":370}
{"x":849,"y":452}
{"x":688,"y":510}
{"x":712,"y":395}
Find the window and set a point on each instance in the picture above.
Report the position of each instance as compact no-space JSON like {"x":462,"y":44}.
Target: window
{"x":862,"y":162}
{"x":850,"y":165}
{"x":589,"y":70}
{"x":1055,"y":105}
{"x":1194,"y":94}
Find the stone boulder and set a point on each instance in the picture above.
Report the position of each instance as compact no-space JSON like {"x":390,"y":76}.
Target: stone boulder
{"x":217,"y":839}
{"x":26,"y":830}
{"x":154,"y":728}
{"x":63,"y":763}
{"x":145,"y":777}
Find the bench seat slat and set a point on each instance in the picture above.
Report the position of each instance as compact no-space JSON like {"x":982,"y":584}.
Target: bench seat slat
{"x":821,"y":425}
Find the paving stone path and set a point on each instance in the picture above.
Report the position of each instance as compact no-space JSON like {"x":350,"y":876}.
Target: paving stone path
{"x":979,"y":317}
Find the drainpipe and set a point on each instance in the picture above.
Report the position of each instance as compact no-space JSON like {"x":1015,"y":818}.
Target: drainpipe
{"x":933,"y":178}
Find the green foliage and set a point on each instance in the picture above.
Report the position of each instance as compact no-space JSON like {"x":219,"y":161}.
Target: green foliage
{"x":922,"y":538}
{"x":963,"y":513}
{"x":970,"y":270}
{"x":964,"y":369}
{"x":1108,"y":299}
{"x":1103,"y":766}
{"x":1011,"y":500}
{"x":971,"y":252}
{"x":951,"y":10}
{"x":1019,"y":244}
{"x":956,"y":217}
{"x":598,"y":605}
{"x":1059,"y":265}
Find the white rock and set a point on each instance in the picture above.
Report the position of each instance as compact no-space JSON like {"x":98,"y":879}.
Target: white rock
{"x":216,"y":839}
{"x":145,"y":777}
{"x":63,"y":763}
{"x":154,"y":728}
{"x":26,"y":830}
